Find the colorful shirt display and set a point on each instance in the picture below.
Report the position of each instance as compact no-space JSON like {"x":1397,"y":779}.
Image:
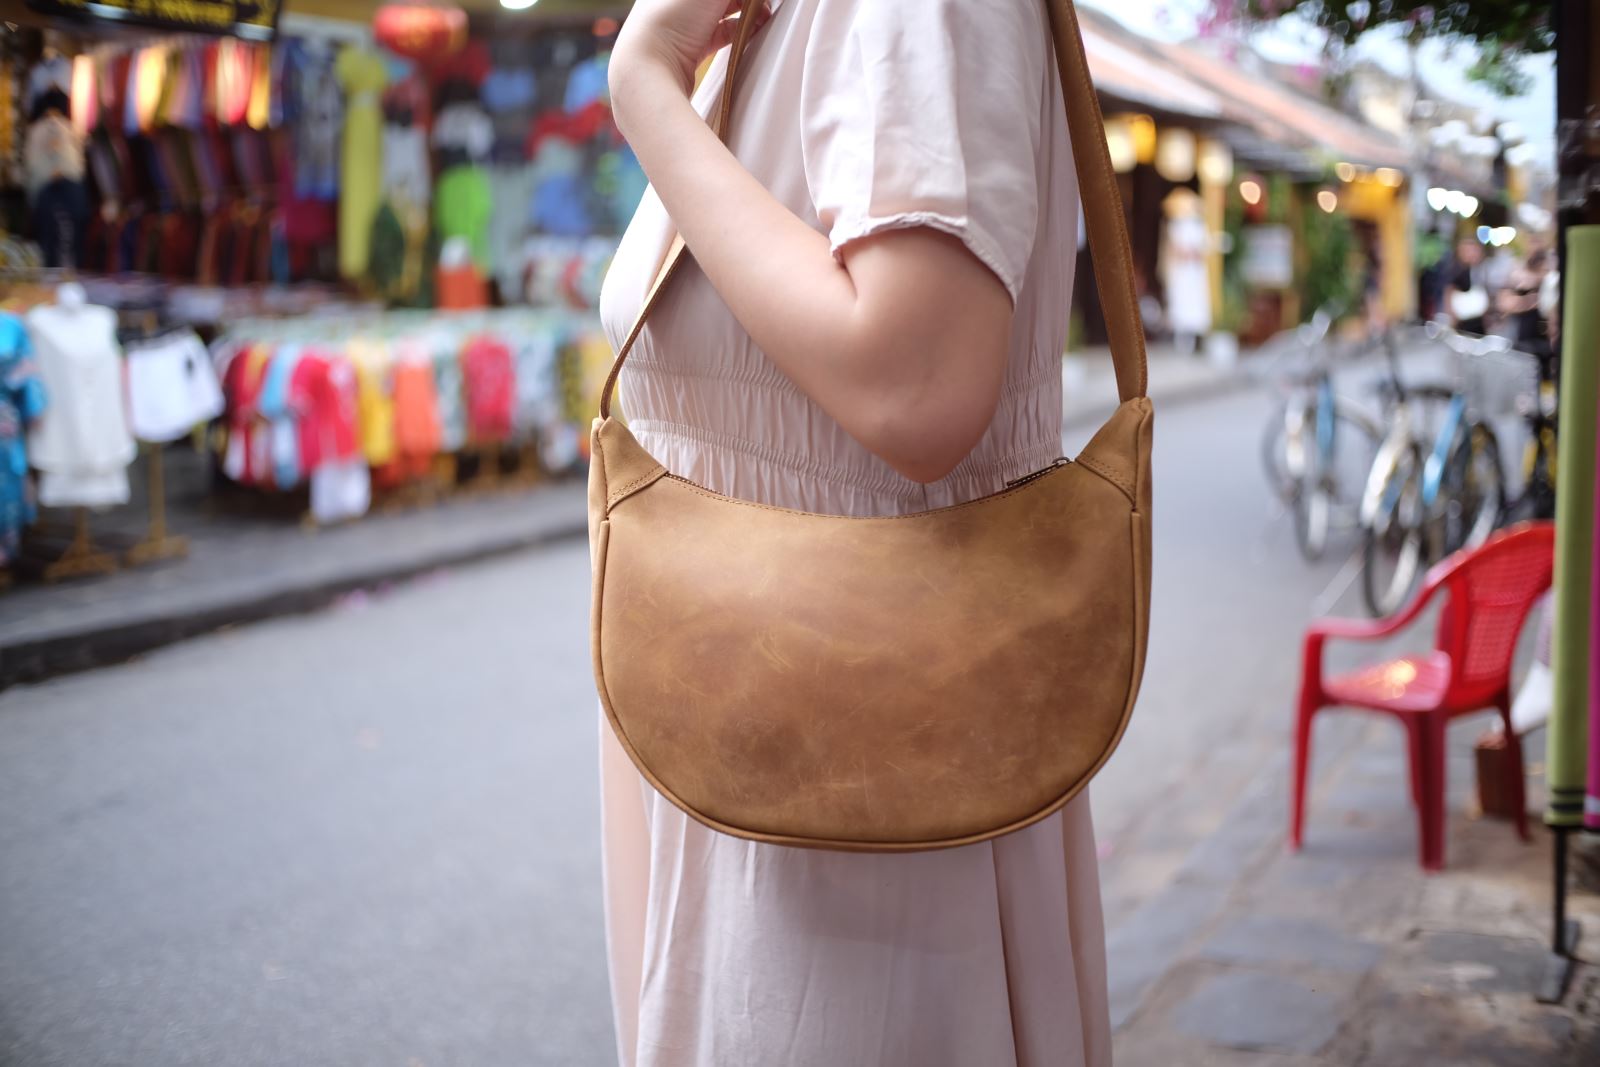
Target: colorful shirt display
{"x":363,"y":75}
{"x":22,"y":402}
{"x":463,"y":207}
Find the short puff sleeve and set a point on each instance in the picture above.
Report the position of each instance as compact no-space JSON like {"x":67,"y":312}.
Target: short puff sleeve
{"x":928,"y":113}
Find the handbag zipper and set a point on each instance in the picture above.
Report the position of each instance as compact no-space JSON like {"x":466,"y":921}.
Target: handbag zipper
{"x":1026,"y":478}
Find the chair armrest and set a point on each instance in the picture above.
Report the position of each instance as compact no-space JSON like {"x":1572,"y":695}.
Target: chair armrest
{"x":1320,"y":630}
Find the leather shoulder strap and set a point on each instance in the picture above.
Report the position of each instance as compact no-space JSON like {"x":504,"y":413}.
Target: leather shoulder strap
{"x":1097,"y":184}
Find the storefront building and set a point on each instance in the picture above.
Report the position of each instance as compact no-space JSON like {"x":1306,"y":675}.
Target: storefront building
{"x":351,"y":252}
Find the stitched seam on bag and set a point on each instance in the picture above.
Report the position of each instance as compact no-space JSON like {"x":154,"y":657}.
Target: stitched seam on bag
{"x":1030,"y":481}
{"x":1110,"y":474}
{"x":628,"y":490}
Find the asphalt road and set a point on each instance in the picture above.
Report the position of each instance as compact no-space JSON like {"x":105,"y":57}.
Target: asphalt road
{"x":368,"y":837}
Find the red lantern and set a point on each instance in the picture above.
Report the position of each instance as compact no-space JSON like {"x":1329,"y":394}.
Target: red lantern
{"x":421,"y":30}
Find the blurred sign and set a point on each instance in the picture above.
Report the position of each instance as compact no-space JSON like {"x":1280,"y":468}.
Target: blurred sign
{"x":255,"y":20}
{"x":1268,"y":257}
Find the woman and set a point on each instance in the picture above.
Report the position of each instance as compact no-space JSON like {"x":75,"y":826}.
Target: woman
{"x":872,"y":325}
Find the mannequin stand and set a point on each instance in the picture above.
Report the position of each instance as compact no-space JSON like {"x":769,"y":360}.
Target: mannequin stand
{"x":529,"y":471}
{"x":157,"y":544}
{"x":81,"y":558}
{"x":487,"y":478}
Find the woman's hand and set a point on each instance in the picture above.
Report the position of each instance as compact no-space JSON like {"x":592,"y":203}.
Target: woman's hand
{"x":669,"y":39}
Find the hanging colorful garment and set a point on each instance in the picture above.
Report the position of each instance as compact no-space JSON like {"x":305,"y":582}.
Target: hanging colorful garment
{"x":375,"y":398}
{"x":85,"y":101}
{"x":363,"y":76}
{"x":463,"y":206}
{"x":490,"y":388}
{"x":234,"y":81}
{"x":22,"y":400}
{"x":448,"y":391}
{"x":275,"y":406}
{"x":418,"y":436}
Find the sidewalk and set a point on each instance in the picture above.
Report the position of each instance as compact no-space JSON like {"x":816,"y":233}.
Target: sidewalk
{"x":1089,"y":384}
{"x":244,"y":567}
{"x":1226,"y":951}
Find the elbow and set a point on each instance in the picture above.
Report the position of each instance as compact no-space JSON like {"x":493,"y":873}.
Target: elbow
{"x":925,"y":441}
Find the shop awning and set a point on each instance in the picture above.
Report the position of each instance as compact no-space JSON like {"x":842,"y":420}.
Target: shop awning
{"x":1129,"y":73}
{"x":1284,"y":116}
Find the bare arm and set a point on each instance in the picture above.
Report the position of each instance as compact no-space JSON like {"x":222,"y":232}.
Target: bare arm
{"x":904,"y":344}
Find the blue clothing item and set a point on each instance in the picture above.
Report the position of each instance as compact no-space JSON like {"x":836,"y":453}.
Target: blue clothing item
{"x":587,"y":83}
{"x":273,"y":405}
{"x":560,"y":206}
{"x":507,"y":90}
{"x":22,"y":400}
{"x":399,"y":67}
{"x":620,"y":184}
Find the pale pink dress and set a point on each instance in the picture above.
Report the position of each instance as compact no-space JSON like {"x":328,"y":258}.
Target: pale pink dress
{"x":861,"y":116}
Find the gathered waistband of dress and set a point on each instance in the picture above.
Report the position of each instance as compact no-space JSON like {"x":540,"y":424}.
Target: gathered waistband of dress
{"x":985,"y":474}
{"x":764,"y":374}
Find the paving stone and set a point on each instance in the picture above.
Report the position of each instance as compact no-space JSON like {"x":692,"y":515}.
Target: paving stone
{"x":1280,"y":939}
{"x":1369,"y":797}
{"x":1413,"y":1030}
{"x":1262,"y":1010}
{"x":1362,"y":841}
{"x":1142,"y":949}
{"x":1478,"y":963}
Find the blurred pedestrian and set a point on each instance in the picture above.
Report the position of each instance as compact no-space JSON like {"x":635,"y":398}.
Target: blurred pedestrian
{"x":1523,"y":319}
{"x":872,"y":324}
{"x":1467,"y":299}
{"x":1185,"y":244}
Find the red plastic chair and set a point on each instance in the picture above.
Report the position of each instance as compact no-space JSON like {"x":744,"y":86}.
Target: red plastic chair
{"x":1490,"y":591}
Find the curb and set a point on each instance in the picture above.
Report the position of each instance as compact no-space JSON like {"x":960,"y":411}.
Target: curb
{"x":30,"y":662}
{"x":1234,"y":381}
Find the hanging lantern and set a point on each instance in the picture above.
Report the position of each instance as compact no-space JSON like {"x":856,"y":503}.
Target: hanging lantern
{"x":1144,"y":137}
{"x":1119,"y":141}
{"x":421,"y":30}
{"x":1215,"y":163}
{"x":1175,"y":152}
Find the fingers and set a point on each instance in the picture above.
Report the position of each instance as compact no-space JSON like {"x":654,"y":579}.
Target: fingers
{"x":726,"y":30}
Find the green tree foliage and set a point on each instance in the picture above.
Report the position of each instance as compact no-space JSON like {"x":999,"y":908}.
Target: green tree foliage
{"x":1500,"y":30}
{"x":1332,"y":274}
{"x":1507,"y":27}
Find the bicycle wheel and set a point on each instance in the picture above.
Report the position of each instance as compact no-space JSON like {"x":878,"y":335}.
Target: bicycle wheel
{"x":1344,"y":473}
{"x":1393,"y":548}
{"x":1312,"y":506}
{"x":1473,"y":491}
{"x":1275,"y":454}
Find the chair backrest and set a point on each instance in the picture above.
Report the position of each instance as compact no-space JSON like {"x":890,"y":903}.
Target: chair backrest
{"x":1490,"y":591}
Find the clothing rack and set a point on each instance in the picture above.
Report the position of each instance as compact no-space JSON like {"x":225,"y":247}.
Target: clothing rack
{"x":157,"y":544}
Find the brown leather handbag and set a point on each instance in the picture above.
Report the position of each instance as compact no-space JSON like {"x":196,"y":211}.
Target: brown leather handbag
{"x":884,"y":684}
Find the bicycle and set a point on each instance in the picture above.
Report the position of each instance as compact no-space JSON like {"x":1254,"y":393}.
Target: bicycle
{"x":1536,"y":499}
{"x":1437,"y":484}
{"x":1317,"y":445}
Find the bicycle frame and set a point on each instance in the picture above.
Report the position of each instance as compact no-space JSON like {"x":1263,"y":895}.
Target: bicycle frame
{"x":1433,"y":469}
{"x":1380,"y":481}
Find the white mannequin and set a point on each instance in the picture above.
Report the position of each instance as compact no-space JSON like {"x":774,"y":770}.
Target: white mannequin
{"x":81,"y":445}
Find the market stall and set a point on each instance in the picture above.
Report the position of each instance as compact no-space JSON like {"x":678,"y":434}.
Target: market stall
{"x":378,"y":243}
